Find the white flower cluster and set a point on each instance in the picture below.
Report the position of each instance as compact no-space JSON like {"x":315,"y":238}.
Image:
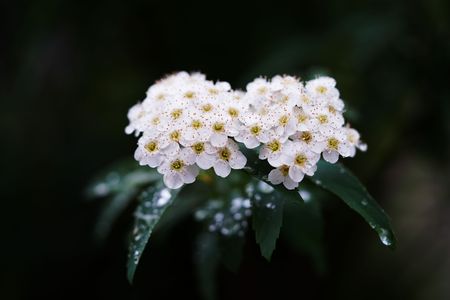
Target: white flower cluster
{"x":188,"y":122}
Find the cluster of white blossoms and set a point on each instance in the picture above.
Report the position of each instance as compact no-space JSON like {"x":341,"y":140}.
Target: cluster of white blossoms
{"x":187,"y":122}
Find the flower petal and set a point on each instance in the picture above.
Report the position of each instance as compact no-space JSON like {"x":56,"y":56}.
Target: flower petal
{"x":222,"y":169}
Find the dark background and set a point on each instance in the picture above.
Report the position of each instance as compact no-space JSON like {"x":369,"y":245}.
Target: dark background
{"x":69,"y":71}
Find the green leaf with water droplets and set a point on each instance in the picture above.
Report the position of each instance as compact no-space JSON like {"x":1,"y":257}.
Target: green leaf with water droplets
{"x":267,"y":216}
{"x":153,"y":203}
{"x":121,"y":176}
{"x":340,"y":181}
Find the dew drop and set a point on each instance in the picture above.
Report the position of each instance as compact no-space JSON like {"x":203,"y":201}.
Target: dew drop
{"x":164,"y":198}
{"x":384,"y":237}
{"x":264,"y":187}
{"x":306,"y":196}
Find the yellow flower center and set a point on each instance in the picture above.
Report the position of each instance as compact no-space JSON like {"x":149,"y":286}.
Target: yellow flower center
{"x":155,"y":121}
{"x":321,"y":89}
{"x":283,"y":120}
{"x":198,"y":148}
{"x":306,"y":136}
{"x":225,"y":154}
{"x":196,"y":124}
{"x":152,"y":146}
{"x":255,"y":130}
{"x":175,"y":135}
{"x":322,"y":119}
{"x":213,"y":91}
{"x":333,"y":143}
{"x":218,"y":127}
{"x":284,"y":169}
{"x":189,"y":94}
{"x":176,"y":113}
{"x":177,"y":165}
{"x":207,"y":107}
{"x":274,"y":146}
{"x":301,"y":118}
{"x":305,"y":99}
{"x":284,"y":99}
{"x":233,"y":112}
{"x":331,"y":109}
{"x":301,"y":160}
{"x":262,"y":90}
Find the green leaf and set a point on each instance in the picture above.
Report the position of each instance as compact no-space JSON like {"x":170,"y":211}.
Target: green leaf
{"x":120,"y":184}
{"x":111,"y":211}
{"x":340,"y":181}
{"x":303,"y":229}
{"x":153,"y":203}
{"x":120,"y":177}
{"x":267,"y":216}
{"x":207,"y":259}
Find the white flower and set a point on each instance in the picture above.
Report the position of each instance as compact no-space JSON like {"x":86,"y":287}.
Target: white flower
{"x":151,"y":151}
{"x":322,"y":87}
{"x":227,"y":158}
{"x":202,"y":153}
{"x":188,"y":122}
{"x":336,"y":143}
{"x":281,"y":175}
{"x":178,"y":169}
{"x":273,"y":151}
{"x":300,"y":159}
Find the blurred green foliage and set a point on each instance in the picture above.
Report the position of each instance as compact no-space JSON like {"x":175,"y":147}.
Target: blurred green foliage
{"x":69,"y":71}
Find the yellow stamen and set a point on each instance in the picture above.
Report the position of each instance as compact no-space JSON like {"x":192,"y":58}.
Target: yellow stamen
{"x":321,"y":89}
{"x":333,"y":144}
{"x":233,"y":112}
{"x":189,"y":95}
{"x":283,"y":120}
{"x":198,"y":148}
{"x":255,"y":130}
{"x":177,"y":165}
{"x":322,"y":119}
{"x":176,"y":113}
{"x":225,"y":154}
{"x":274,"y":146}
{"x":207,"y":107}
{"x":175,"y":136}
{"x":151,"y":147}
{"x":301,"y":160}
{"x":218,"y":127}
{"x":306,"y":136}
{"x":196,"y":124}
{"x":284,"y":169}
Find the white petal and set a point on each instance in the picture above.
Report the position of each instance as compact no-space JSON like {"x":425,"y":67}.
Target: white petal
{"x":275,"y":176}
{"x":296,"y":174}
{"x":154,"y":160}
{"x":238,"y":160}
{"x":289,"y":183}
{"x":173,"y":180}
{"x":189,"y":174}
{"x":221,"y":168}
{"x":218,"y":140}
{"x":205,"y":161}
{"x":330,"y":156}
{"x":346,"y":150}
{"x":171,"y":149}
{"x":251,"y":142}
{"x":275,"y":160}
{"x":263,"y":153}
